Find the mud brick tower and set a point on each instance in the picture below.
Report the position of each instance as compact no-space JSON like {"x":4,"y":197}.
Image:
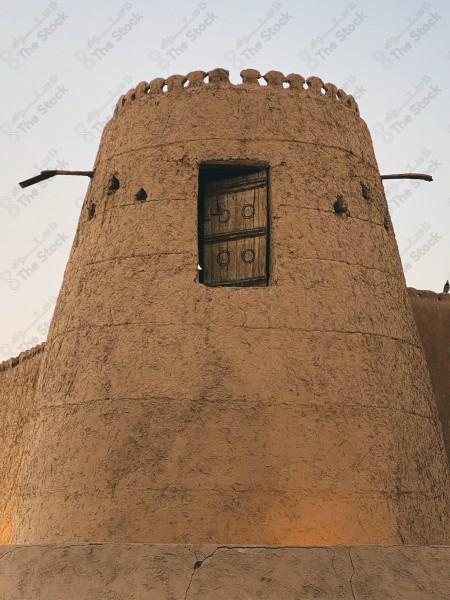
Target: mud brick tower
{"x":233,"y":357}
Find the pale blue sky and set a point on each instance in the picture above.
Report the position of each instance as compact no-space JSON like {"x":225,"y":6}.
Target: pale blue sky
{"x":63,"y":65}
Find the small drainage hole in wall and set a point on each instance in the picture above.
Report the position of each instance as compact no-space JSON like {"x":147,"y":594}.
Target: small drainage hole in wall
{"x":141,"y":195}
{"x":340,"y":206}
{"x":366,"y":192}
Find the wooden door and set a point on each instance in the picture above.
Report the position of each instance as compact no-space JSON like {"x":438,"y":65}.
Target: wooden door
{"x":235,"y":230}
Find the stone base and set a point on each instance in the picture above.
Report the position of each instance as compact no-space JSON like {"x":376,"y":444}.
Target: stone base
{"x":200,"y":572}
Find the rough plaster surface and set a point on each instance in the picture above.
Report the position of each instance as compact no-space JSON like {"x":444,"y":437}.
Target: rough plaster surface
{"x":18,"y":379}
{"x":297,"y":413}
{"x":432,"y":315}
{"x":209,"y":572}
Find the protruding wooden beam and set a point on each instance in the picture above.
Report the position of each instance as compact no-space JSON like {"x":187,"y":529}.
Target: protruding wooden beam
{"x":47,"y":174}
{"x":408,"y":176}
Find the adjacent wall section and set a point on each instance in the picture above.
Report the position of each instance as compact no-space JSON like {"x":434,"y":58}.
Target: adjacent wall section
{"x":432,"y":315}
{"x":178,"y":572}
{"x":18,"y":378}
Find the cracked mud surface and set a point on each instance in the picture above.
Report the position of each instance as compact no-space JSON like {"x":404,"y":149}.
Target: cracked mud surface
{"x":225,"y":572}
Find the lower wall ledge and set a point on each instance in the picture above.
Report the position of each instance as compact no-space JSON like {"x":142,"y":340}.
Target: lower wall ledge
{"x":223,"y":572}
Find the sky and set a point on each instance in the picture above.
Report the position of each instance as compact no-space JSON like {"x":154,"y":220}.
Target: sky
{"x":63,"y":65}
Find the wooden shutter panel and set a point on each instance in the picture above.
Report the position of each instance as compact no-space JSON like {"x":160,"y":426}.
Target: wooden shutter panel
{"x":235,"y":230}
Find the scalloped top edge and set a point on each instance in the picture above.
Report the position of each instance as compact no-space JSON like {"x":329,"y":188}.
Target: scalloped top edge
{"x":413,"y":292}
{"x":216,"y":77}
{"x":23,"y":356}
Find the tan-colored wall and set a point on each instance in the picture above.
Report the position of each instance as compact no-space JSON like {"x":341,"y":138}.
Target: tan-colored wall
{"x":160,"y":572}
{"x":18,"y":378}
{"x":297,"y":413}
{"x":432,"y":315}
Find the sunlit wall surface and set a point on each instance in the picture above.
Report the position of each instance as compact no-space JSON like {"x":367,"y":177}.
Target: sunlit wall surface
{"x":63,"y":66}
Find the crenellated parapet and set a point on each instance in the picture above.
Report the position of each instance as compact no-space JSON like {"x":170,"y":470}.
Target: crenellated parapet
{"x":292,"y":83}
{"x":441,"y":296}
{"x":23,"y":356}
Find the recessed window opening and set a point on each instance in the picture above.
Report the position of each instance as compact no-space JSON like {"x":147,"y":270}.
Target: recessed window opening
{"x":233,"y":233}
{"x":114,"y":185}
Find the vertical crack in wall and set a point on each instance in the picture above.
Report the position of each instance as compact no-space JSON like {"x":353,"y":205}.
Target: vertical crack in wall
{"x":198,"y":564}
{"x":353,"y":573}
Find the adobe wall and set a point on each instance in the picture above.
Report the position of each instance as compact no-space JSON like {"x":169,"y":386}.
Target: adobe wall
{"x":297,"y":413}
{"x":157,"y":572}
{"x":432,"y":315}
{"x":18,"y":378}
